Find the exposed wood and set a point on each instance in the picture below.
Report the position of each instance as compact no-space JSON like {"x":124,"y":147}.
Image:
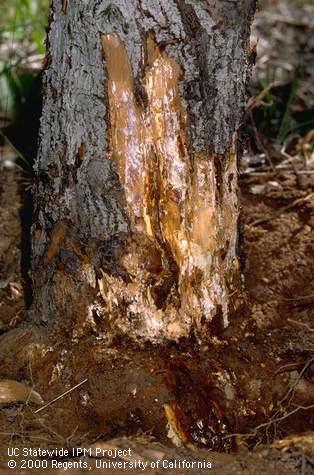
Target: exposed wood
{"x":64,"y":6}
{"x":57,"y":237}
{"x":138,"y":156}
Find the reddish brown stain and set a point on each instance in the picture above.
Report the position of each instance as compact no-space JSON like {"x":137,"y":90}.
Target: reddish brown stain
{"x":64,"y":6}
{"x":81,"y":153}
{"x":57,"y":237}
{"x":171,"y":194}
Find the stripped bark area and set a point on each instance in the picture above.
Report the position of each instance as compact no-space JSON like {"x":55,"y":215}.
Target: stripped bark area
{"x":138,"y":157}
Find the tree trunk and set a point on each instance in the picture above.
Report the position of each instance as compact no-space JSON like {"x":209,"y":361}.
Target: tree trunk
{"x":136,"y":209}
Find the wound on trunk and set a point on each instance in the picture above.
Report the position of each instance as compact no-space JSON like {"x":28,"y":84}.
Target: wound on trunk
{"x":170,"y":194}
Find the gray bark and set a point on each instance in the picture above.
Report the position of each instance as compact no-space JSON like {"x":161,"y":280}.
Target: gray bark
{"x":97,"y":255}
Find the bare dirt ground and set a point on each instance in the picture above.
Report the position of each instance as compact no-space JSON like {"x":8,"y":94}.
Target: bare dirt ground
{"x":244,"y":403}
{"x":256,"y":379}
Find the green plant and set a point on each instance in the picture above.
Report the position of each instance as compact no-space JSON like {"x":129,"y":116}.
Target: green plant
{"x":24,"y":20}
{"x":22,"y":35}
{"x":287,"y":122}
{"x":275,"y":116}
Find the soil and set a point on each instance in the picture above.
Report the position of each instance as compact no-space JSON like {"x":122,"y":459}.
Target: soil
{"x":255,"y":379}
{"x":245,"y":402}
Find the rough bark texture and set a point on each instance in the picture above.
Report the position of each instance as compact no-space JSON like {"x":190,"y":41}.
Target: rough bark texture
{"x":135,"y":224}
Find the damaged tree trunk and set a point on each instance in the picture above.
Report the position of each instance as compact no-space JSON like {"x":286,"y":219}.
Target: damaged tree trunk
{"x":136,"y":209}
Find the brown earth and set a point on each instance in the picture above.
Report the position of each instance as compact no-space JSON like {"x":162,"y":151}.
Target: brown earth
{"x":256,"y":378}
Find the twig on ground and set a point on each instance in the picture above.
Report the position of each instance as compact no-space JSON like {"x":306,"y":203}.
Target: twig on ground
{"x":282,"y":210}
{"x":60,"y":397}
{"x":301,"y":324}
{"x":287,"y":367}
{"x":279,"y":415}
{"x":302,"y":297}
{"x":53,"y":432}
{"x":279,"y":170}
{"x":257,"y":100}
{"x":260,"y":143}
{"x":270,"y":422}
{"x":71,"y":436}
{"x":291,"y":390}
{"x":277,"y":17}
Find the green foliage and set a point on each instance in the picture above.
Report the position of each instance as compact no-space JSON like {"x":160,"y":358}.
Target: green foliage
{"x":22,"y":32}
{"x":15,"y":87}
{"x":22,"y":36}
{"x":24,"y":20}
{"x":275,"y":118}
{"x":287,"y":122}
